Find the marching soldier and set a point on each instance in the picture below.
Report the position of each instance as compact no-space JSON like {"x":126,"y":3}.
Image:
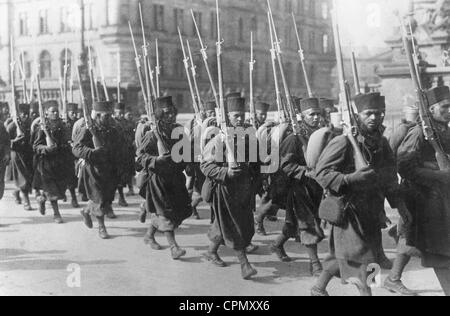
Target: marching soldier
{"x":355,"y":237}
{"x":54,"y":160}
{"x":5,"y":151}
{"x":167,"y":198}
{"x":100,"y":154}
{"x":128,"y":151}
{"x":428,"y":197}
{"x":22,"y":156}
{"x":231,"y":196}
{"x":298,"y":193}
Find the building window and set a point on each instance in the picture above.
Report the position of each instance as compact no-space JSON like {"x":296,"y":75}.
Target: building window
{"x":254,"y":28}
{"x":45,"y":61}
{"x":213,"y":26}
{"x":66,"y":17}
{"x":325,"y":13}
{"x":25,"y":64}
{"x":63,"y":61}
{"x":241,"y":29}
{"x":23,"y":24}
{"x":325,"y":44}
{"x":312,"y":8}
{"x":178,"y":18}
{"x":43,"y":22}
{"x":198,"y":19}
{"x":312,"y":42}
{"x":158,"y":18}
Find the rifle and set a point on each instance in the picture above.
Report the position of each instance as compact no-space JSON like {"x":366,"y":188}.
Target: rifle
{"x":71,"y":81}
{"x":94,"y":88}
{"x":194,"y":78}
{"x":280,"y":105}
{"x":252,"y":66}
{"x":360,"y":162}
{"x":14,"y":108}
{"x":24,"y":78}
{"x":157,"y":69}
{"x":290,"y":104}
{"x":302,"y":58}
{"x":428,"y":130}
{"x":86,"y":114}
{"x":186,"y":67}
{"x":102,"y":75}
{"x":64,"y":96}
{"x":48,"y":138}
{"x":119,"y":78}
{"x":147,"y":68}
{"x":139,"y":72}
{"x":355,"y":74}
{"x":205,"y":60}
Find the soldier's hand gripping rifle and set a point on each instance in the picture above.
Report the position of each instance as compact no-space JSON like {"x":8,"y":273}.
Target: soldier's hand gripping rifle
{"x":186,"y":67}
{"x":205,"y":60}
{"x":427,"y":125}
{"x":43,"y":119}
{"x":14,"y":108}
{"x":345,"y":99}
{"x":251,"y":68}
{"x":87,"y":113}
{"x":290,"y":104}
{"x":302,"y":58}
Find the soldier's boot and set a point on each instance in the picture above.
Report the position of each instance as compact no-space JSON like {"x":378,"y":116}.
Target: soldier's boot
{"x":277,"y":248}
{"x":176,"y":251}
{"x":41,"y":201}
{"x":247,"y":271}
{"x":251,"y":249}
{"x":314,"y":261}
{"x":102,"y":232}
{"x":56,"y":214}
{"x":143,"y":213}
{"x":122,"y":201}
{"x":393,"y":282}
{"x":17,"y":197}
{"x":87,"y":219}
{"x":110,"y":212}
{"x":213,"y":256}
{"x":27,"y":203}
{"x":149,"y":238}
{"x":74,"y":199}
{"x":131,"y":190}
{"x":259,"y":225}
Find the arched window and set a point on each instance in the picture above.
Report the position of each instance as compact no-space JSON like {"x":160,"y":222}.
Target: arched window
{"x":45,"y":61}
{"x":63,"y":61}
{"x":241,"y":29}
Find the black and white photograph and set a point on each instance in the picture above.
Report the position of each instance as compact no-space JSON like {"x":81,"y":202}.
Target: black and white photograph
{"x":224,"y":154}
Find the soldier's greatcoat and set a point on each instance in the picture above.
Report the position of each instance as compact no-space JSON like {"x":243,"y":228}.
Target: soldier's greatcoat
{"x":54,"y":164}
{"x":232,"y":200}
{"x":164,"y":185}
{"x":128,"y":151}
{"x":354,"y":244}
{"x":99,"y":169}
{"x":21,"y":156}
{"x":430,"y":202}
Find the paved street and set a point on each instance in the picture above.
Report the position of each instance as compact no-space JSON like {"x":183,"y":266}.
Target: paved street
{"x":35,"y":255}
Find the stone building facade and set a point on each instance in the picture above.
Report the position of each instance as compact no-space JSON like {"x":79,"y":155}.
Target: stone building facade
{"x":43,"y":28}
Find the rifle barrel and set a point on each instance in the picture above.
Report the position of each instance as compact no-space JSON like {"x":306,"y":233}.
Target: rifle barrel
{"x":302,"y":58}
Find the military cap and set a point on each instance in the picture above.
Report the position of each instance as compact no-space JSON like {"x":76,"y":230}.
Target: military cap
{"x":102,"y":106}
{"x":370,"y":101}
{"x":210,"y":105}
{"x":24,"y":108}
{"x":438,"y":96}
{"x":309,"y":104}
{"x":262,"y":106}
{"x":236,"y":104}
{"x":119,"y":106}
{"x":164,"y":103}
{"x":48,"y":104}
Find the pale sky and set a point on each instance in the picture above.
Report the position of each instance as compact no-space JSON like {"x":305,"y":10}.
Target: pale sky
{"x":368,"y":22}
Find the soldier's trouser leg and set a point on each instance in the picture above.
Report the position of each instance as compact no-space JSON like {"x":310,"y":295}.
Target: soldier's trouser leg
{"x":247,"y":271}
{"x":26,"y":197}
{"x":149,"y":238}
{"x":177,"y":252}
{"x":2,"y":179}
{"x":56,"y":213}
{"x":400,"y":263}
{"x":443,"y":276}
{"x":315,"y":265}
{"x":122,"y":201}
{"x":74,"y":198}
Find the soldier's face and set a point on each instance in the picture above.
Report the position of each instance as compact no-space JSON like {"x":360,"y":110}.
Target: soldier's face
{"x":53,"y":113}
{"x":5,"y":112}
{"x":24,"y":116}
{"x":104,"y":118}
{"x":312,"y":117}
{"x":120,"y":114}
{"x":169,"y":115}
{"x":72,"y":115}
{"x":372,"y":120}
{"x":237,"y":119}
{"x":261,"y":116}
{"x":210,"y":114}
{"x":441,"y":113}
